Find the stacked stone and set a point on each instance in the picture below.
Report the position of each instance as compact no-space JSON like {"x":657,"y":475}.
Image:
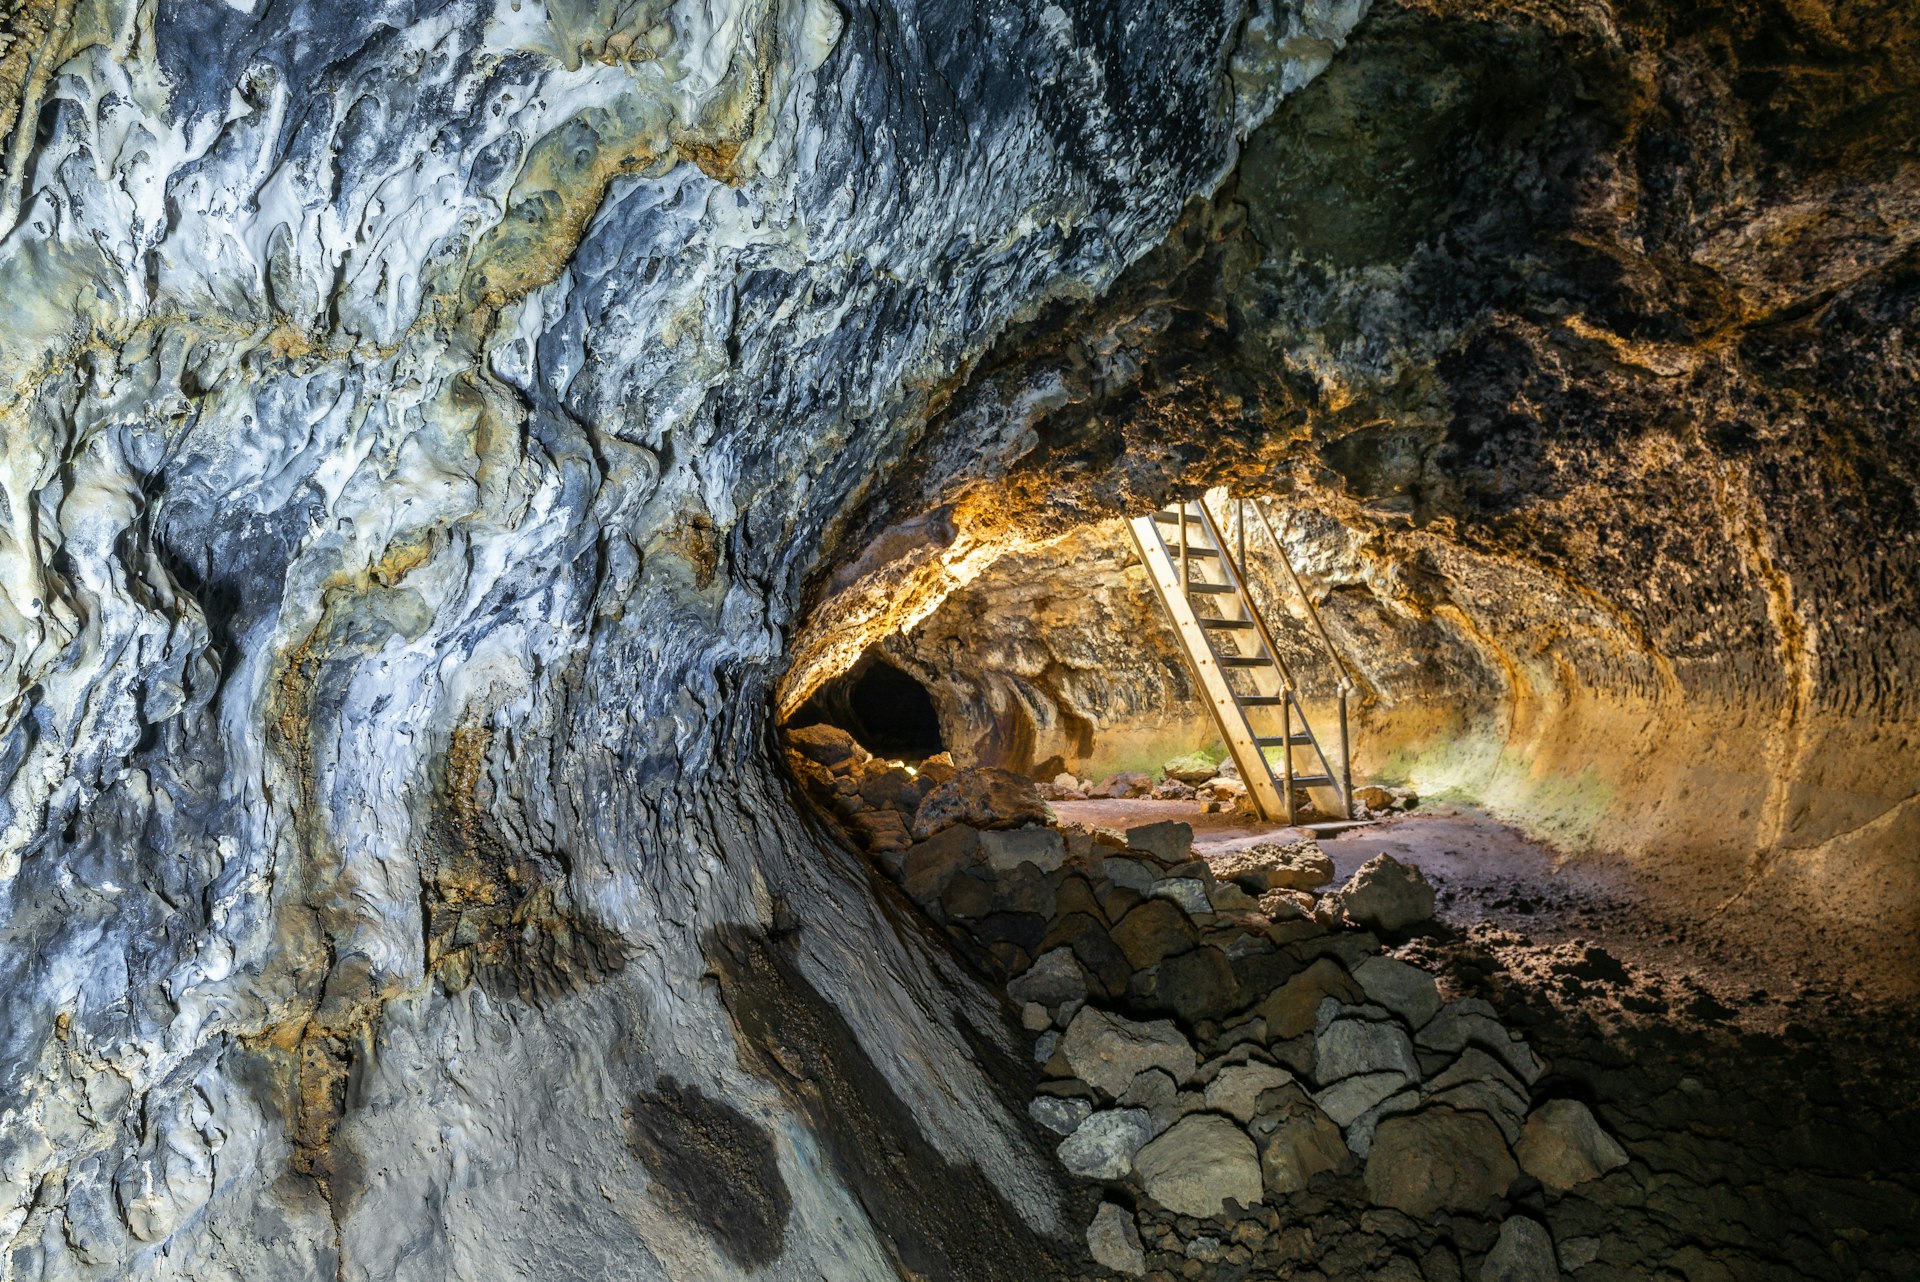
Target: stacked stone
{"x":1215,"y":1036}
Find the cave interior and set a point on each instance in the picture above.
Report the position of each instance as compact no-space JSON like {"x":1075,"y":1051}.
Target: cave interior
{"x":578,"y":697}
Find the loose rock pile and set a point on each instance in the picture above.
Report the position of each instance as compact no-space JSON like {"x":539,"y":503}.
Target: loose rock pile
{"x":1227,"y":1049}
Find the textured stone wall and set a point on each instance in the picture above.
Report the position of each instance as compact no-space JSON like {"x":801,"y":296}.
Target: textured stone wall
{"x":1599,"y":352}
{"x":417,"y":422}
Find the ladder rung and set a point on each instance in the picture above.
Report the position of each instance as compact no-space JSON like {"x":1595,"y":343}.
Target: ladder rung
{"x":1276,"y":741}
{"x":1312,"y":781}
{"x":1244,"y":661}
{"x":1262,"y":700}
{"x":1243,"y":624}
{"x":1164,"y":515}
{"x":1215,"y":588}
{"x":1192,"y":552}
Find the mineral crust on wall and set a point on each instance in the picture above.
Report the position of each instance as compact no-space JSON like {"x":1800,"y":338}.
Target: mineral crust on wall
{"x":419,"y":421}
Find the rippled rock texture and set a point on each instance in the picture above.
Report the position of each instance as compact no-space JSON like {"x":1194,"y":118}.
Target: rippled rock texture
{"x":419,"y":421}
{"x":432,"y":431}
{"x":1580,"y":343}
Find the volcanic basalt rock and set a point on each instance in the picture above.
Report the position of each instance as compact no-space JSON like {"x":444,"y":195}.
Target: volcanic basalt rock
{"x":418,"y":425}
{"x":437,"y":441}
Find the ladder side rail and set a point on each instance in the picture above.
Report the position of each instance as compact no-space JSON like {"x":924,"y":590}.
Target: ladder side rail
{"x":1313,"y":614}
{"x":1239,"y":585}
{"x":1202,"y":662}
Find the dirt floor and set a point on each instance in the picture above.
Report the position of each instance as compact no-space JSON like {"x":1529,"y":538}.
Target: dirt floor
{"x":1772,"y":1113}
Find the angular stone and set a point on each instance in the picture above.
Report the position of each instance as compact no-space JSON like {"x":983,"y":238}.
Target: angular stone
{"x":1127,"y":783}
{"x":1347,"y":1101}
{"x":1349,"y":1047}
{"x":1387,"y":895}
{"x":1405,"y":989}
{"x":1291,"y":1010}
{"x":880,"y":830}
{"x":1106,"y":1051}
{"x":1006,"y":850}
{"x":1473,"y":1021}
{"x":1114,"y":1242}
{"x":1131,"y":873}
{"x":1522,"y":1253}
{"x":1301,"y":1145}
{"x":1194,"y":768}
{"x":1061,"y":1116}
{"x":1202,"y":1161}
{"x":1188,"y":892}
{"x":828,"y":745}
{"x":1437,"y":1160}
{"x":1236,"y":1089}
{"x":1054,"y":979}
{"x":1157,"y":929}
{"x":1197,"y":985}
{"x":1102,"y":1146}
{"x":1170,"y":842}
{"x":1299,"y":865}
{"x":1106,"y":967}
{"x":1563,"y":1146}
{"x":887,"y":787}
{"x":929,"y":865}
{"x":1360,"y":1132}
{"x":985,"y":797}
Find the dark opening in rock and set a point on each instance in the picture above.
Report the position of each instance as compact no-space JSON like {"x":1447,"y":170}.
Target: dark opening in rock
{"x":889,"y":712}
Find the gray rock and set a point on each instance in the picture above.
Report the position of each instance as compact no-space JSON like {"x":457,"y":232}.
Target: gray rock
{"x":1114,"y":1242}
{"x":1236,"y":1089}
{"x":1473,"y":1022}
{"x":1170,"y":842}
{"x":1346,"y":1101}
{"x":1044,"y":1046}
{"x":1107,"y":1052}
{"x":1200,"y":1163}
{"x":1360,"y":1133}
{"x":1061,"y":1116}
{"x":1349,"y":1047}
{"x":1563,"y":1146}
{"x":1403,"y":988}
{"x":1188,"y":892}
{"x":1294,"y":1007}
{"x":1197,"y":985}
{"x":1006,"y":850}
{"x":1102,"y":1146}
{"x":1577,"y":1253}
{"x":1522,"y":1253}
{"x":1054,"y":979}
{"x":1386,"y":894}
{"x":1131,"y":873}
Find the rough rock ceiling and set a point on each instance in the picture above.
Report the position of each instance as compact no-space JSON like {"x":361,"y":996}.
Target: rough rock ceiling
{"x":421,"y":425}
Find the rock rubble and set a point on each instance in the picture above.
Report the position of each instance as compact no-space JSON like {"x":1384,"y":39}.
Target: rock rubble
{"x":1215,"y":1038}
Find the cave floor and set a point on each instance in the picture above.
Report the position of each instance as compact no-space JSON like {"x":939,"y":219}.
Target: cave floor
{"x":1773,"y":1114}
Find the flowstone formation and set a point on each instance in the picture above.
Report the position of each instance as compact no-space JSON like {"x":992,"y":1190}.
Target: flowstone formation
{"x":419,"y":422}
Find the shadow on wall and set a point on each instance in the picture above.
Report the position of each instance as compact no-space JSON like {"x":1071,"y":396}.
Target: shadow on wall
{"x":889,"y":712}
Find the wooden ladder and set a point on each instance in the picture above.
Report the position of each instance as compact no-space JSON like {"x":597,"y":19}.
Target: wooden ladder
{"x":1202,"y":586}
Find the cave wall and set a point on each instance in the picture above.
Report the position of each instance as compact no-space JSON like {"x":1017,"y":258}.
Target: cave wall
{"x":1601,"y":351}
{"x":419,"y":422}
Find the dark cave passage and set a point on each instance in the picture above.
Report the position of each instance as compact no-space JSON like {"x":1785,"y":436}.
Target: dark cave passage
{"x":883,"y":707}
